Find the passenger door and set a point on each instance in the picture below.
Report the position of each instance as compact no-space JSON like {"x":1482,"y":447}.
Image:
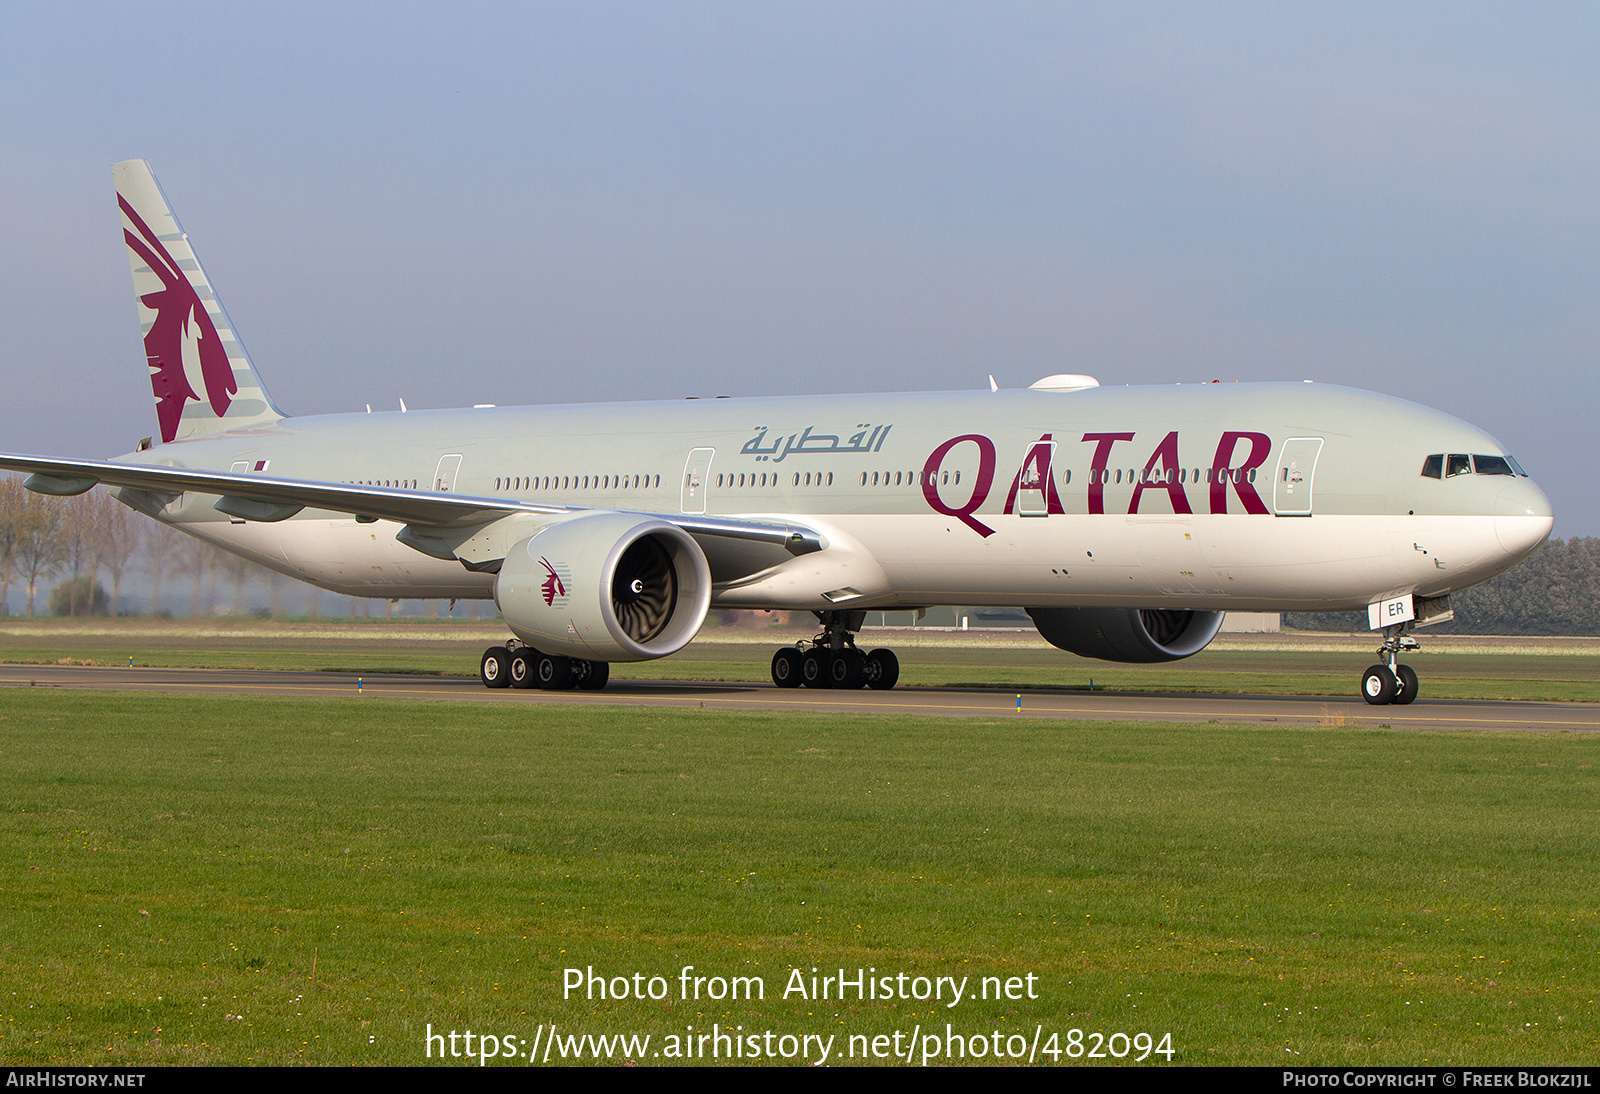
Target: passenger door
{"x":696,"y":480}
{"x":1291,"y":487}
{"x":444,"y":479}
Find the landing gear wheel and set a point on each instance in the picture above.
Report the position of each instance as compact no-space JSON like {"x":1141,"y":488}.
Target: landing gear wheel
{"x":555,"y":673}
{"x":786,"y":667}
{"x":591,"y":675}
{"x":847,"y":670}
{"x":1390,"y":681}
{"x":882,"y":670}
{"x":814,"y":668}
{"x":1406,"y":692}
{"x":832,"y":659}
{"x":495,"y":669}
{"x":524,"y":668}
{"x":1378,"y":685}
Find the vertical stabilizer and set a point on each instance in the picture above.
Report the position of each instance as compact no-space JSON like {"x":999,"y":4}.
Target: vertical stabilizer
{"x":199,"y":371}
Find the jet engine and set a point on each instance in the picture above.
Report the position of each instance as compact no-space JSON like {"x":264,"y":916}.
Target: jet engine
{"x":1121,"y":634}
{"x":605,"y":587}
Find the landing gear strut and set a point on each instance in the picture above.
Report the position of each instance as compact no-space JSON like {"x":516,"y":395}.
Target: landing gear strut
{"x":1391,"y":682}
{"x":831,"y":659}
{"x":519,"y":665}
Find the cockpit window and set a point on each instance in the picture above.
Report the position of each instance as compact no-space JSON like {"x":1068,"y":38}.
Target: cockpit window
{"x":1440,"y":466}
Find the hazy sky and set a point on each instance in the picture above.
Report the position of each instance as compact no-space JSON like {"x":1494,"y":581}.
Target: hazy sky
{"x":549,"y":203}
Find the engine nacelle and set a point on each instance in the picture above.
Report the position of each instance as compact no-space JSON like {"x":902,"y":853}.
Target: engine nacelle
{"x":1122,"y":634}
{"x":605,"y":587}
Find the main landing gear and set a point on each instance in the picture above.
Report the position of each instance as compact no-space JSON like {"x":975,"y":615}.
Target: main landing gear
{"x":831,"y":660}
{"x":516,"y":665}
{"x":1391,"y":682}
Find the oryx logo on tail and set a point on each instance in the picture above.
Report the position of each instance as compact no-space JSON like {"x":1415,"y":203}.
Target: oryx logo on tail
{"x":182,"y":345}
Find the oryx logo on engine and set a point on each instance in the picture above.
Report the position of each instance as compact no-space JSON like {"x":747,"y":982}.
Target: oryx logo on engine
{"x":555,"y":586}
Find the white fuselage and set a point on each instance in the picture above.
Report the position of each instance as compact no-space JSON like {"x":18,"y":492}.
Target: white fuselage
{"x":1214,"y":497}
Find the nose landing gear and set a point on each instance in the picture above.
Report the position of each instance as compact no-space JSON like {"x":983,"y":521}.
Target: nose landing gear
{"x":1391,"y":682}
{"x":831,"y":659}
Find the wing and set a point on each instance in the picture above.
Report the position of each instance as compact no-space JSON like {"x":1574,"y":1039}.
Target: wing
{"x":267,"y":498}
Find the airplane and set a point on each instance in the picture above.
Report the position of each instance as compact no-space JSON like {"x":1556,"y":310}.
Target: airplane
{"x":1125,"y":520}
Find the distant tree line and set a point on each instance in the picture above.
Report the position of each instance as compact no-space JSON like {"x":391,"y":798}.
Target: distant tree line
{"x":93,"y":547}
{"x":93,"y":541}
{"x":1557,"y":591}
{"x":42,"y":537}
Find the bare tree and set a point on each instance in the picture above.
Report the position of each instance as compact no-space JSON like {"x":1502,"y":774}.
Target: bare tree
{"x":40,"y":546}
{"x":161,"y":556}
{"x":122,"y":533}
{"x":88,"y":539}
{"x":11,"y":503}
{"x":194,"y":557}
{"x":237,"y":569}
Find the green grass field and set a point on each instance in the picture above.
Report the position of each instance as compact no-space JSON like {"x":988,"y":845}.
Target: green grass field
{"x":225,"y":881}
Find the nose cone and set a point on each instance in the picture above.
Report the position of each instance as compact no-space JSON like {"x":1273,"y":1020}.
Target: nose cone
{"x":1522,"y":518}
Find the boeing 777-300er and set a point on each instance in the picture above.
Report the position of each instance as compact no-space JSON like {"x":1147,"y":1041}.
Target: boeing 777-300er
{"x":1125,"y":520}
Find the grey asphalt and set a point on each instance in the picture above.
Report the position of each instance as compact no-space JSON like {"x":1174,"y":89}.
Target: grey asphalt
{"x":1308,"y":710}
